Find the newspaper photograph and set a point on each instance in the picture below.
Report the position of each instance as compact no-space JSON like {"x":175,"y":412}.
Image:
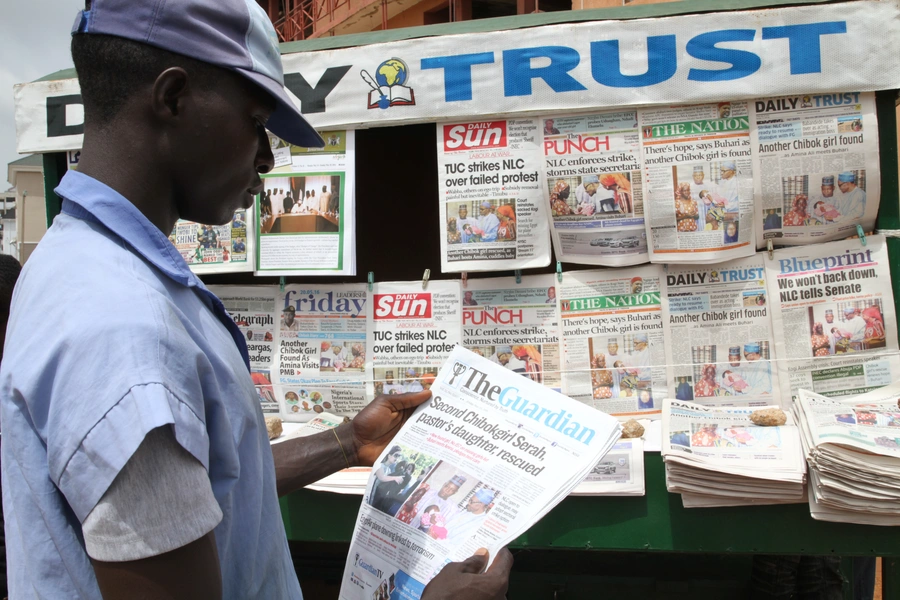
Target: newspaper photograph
{"x":514,"y":325}
{"x":306,"y":212}
{"x":252,"y":308}
{"x":592,"y":175}
{"x":321,"y":350}
{"x":818,"y":165}
{"x":833,"y":310}
{"x":619,"y":473}
{"x":217,"y":248}
{"x":698,"y":181}
{"x":485,"y":458}
{"x":410,"y":333}
{"x":613,"y":354}
{"x":719,"y":342}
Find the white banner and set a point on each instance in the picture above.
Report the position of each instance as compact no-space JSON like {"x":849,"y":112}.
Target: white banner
{"x":816,"y":49}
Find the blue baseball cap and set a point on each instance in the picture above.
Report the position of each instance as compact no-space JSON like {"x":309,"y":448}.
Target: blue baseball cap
{"x":233,"y":34}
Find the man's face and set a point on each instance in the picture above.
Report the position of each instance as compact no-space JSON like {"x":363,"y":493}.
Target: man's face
{"x":637,"y":287}
{"x":485,"y":211}
{"x":448,"y":489}
{"x":613,"y":347}
{"x":288,"y":317}
{"x":463,"y":212}
{"x":734,"y":360}
{"x":475,"y":505}
{"x":698,"y":178}
{"x":846,"y":186}
{"x":548,"y":124}
{"x":503,"y":358}
{"x":829,"y":318}
{"x":751,"y":356}
{"x":727,"y":173}
{"x":827,"y":191}
{"x":640,"y":346}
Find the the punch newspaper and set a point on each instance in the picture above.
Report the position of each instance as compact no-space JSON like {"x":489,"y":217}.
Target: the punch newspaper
{"x":490,"y":454}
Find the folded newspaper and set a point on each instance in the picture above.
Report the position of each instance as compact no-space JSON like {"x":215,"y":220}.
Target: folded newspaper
{"x":493,"y":452}
{"x":853,"y":450}
{"x":716,"y":456}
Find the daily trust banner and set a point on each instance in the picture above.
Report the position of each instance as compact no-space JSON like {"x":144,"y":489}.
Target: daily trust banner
{"x":713,"y":57}
{"x":492,"y":214}
{"x":833,"y":308}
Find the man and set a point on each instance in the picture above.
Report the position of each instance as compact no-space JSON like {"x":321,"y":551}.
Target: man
{"x":442,"y":497}
{"x":772,"y":220}
{"x":755,"y":372}
{"x":584,"y":193}
{"x":852,"y":203}
{"x":728,"y":187}
{"x":288,"y":319}
{"x":501,"y":355}
{"x":640,"y":356}
{"x":829,"y":316}
{"x":141,"y":463}
{"x":697,"y":186}
{"x":288,"y":203}
{"x":468,"y":300}
{"x":334,"y":204}
{"x":311,"y":203}
{"x":239,"y":246}
{"x":549,"y":129}
{"x":390,"y":387}
{"x":465,"y":524}
{"x":324,"y":200}
{"x":683,"y":391}
{"x":637,"y":285}
{"x":855,"y":325}
{"x":413,"y":385}
{"x":465,"y":225}
{"x":487,"y":223}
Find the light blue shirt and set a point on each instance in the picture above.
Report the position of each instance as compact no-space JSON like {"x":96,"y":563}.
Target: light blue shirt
{"x":489,"y":224}
{"x":111,"y":336}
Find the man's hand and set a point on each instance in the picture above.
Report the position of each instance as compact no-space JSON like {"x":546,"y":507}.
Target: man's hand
{"x":466,"y":580}
{"x":377,"y":424}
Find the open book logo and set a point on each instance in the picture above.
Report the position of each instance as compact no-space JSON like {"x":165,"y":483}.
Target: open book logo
{"x":389,"y":85}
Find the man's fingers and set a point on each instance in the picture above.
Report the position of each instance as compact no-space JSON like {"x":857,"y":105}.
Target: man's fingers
{"x":476,"y":562}
{"x":409,"y":400}
{"x":502,"y":564}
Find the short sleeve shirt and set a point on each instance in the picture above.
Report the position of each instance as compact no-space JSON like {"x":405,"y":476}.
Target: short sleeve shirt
{"x":111,"y":336}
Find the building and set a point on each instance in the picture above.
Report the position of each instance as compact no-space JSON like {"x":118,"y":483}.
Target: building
{"x":27,"y":177}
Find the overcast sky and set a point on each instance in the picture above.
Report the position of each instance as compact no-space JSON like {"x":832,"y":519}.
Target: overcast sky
{"x":34,"y":41}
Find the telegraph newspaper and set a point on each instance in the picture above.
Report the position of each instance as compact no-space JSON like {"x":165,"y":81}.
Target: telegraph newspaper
{"x":492,"y":213}
{"x":216,"y":248}
{"x":698,"y":181}
{"x":306,"y":212}
{"x":321,"y":350}
{"x":833,"y":308}
{"x":515,"y":325}
{"x":253,"y":310}
{"x":719,"y":342}
{"x":483,"y":460}
{"x":592,"y":174}
{"x":612,"y":340}
{"x":411,"y":333}
{"x":818,"y":166}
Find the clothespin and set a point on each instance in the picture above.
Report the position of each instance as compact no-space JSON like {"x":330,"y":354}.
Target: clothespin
{"x":559,"y":271}
{"x":371,"y":279}
{"x":281,"y":283}
{"x":861,"y":234}
{"x":425,"y":277}
{"x":465,"y":279}
{"x":770,"y":248}
{"x":518,"y":276}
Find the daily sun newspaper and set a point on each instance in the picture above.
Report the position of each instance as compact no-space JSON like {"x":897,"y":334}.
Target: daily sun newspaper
{"x":698,"y":182}
{"x":833,"y":307}
{"x":818,"y":166}
{"x":492,"y":213}
{"x":495,"y":452}
{"x":592,"y":179}
{"x":719,"y":341}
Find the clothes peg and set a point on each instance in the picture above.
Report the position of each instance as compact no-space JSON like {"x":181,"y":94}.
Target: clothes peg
{"x":465,"y":279}
{"x":371,"y":280}
{"x":861,"y":234}
{"x":518,"y":276}
{"x":559,"y":271}
{"x":281,"y":283}
{"x":770,"y":248}
{"x":425,"y":277}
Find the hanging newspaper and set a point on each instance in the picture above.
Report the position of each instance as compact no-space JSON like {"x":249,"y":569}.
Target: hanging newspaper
{"x":592,"y":170}
{"x":321,"y":350}
{"x":253,"y":310}
{"x":217,"y":248}
{"x":719,"y":342}
{"x":496,"y":452}
{"x":492,"y":214}
{"x":514,"y":325}
{"x":619,"y":473}
{"x":833,"y":310}
{"x":698,"y":181}
{"x":411,"y":333}
{"x":818,"y":165}
{"x":306,"y":212}
{"x":612,"y":340}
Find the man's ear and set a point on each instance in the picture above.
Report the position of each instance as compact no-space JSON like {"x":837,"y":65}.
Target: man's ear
{"x":170,"y":92}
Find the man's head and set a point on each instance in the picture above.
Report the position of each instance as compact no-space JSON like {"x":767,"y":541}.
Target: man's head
{"x":640,"y":341}
{"x":829,"y":316}
{"x":850,"y":312}
{"x":637,"y":285}
{"x":548,"y":124}
{"x":847,"y":181}
{"x":828,"y":186}
{"x":698,"y":174}
{"x":752,"y":351}
{"x":452,"y":486}
{"x":551,"y":292}
{"x":612,"y":346}
{"x":734,"y":356}
{"x":463,"y":212}
{"x":288,"y":315}
{"x":479,"y":501}
{"x":728,"y":169}
{"x":486,"y":208}
{"x":504,"y":353}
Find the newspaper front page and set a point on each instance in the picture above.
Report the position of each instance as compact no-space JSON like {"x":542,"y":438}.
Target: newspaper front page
{"x":719,"y":342}
{"x":411,"y":333}
{"x":217,"y":248}
{"x":592,"y":172}
{"x":619,"y":473}
{"x":612,"y":347}
{"x":492,"y":214}
{"x":818,"y":166}
{"x":514,"y":325}
{"x":306,"y":212}
{"x":833,"y":309}
{"x":698,"y":182}
{"x":253,"y":310}
{"x":484,"y":459}
{"x":321,"y":350}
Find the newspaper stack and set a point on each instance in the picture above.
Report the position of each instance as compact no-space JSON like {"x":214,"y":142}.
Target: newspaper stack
{"x":716,"y":456}
{"x":853,"y":449}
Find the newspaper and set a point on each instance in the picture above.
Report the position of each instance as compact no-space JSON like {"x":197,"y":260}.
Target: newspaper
{"x":492,"y":213}
{"x":515,"y":325}
{"x":486,"y":458}
{"x":833,"y":308}
{"x":306,"y":212}
{"x":592,"y":171}
{"x":411,"y":333}
{"x":818,"y":164}
{"x":217,"y":248}
{"x":619,"y":473}
{"x":252,"y":308}
{"x":612,"y":340}
{"x":321,"y":350}
{"x":719,"y":342}
{"x":698,"y":182}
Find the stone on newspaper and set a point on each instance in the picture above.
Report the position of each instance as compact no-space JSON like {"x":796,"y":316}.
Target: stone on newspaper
{"x":632,"y":429}
{"x":273,"y":426}
{"x":768,"y":417}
